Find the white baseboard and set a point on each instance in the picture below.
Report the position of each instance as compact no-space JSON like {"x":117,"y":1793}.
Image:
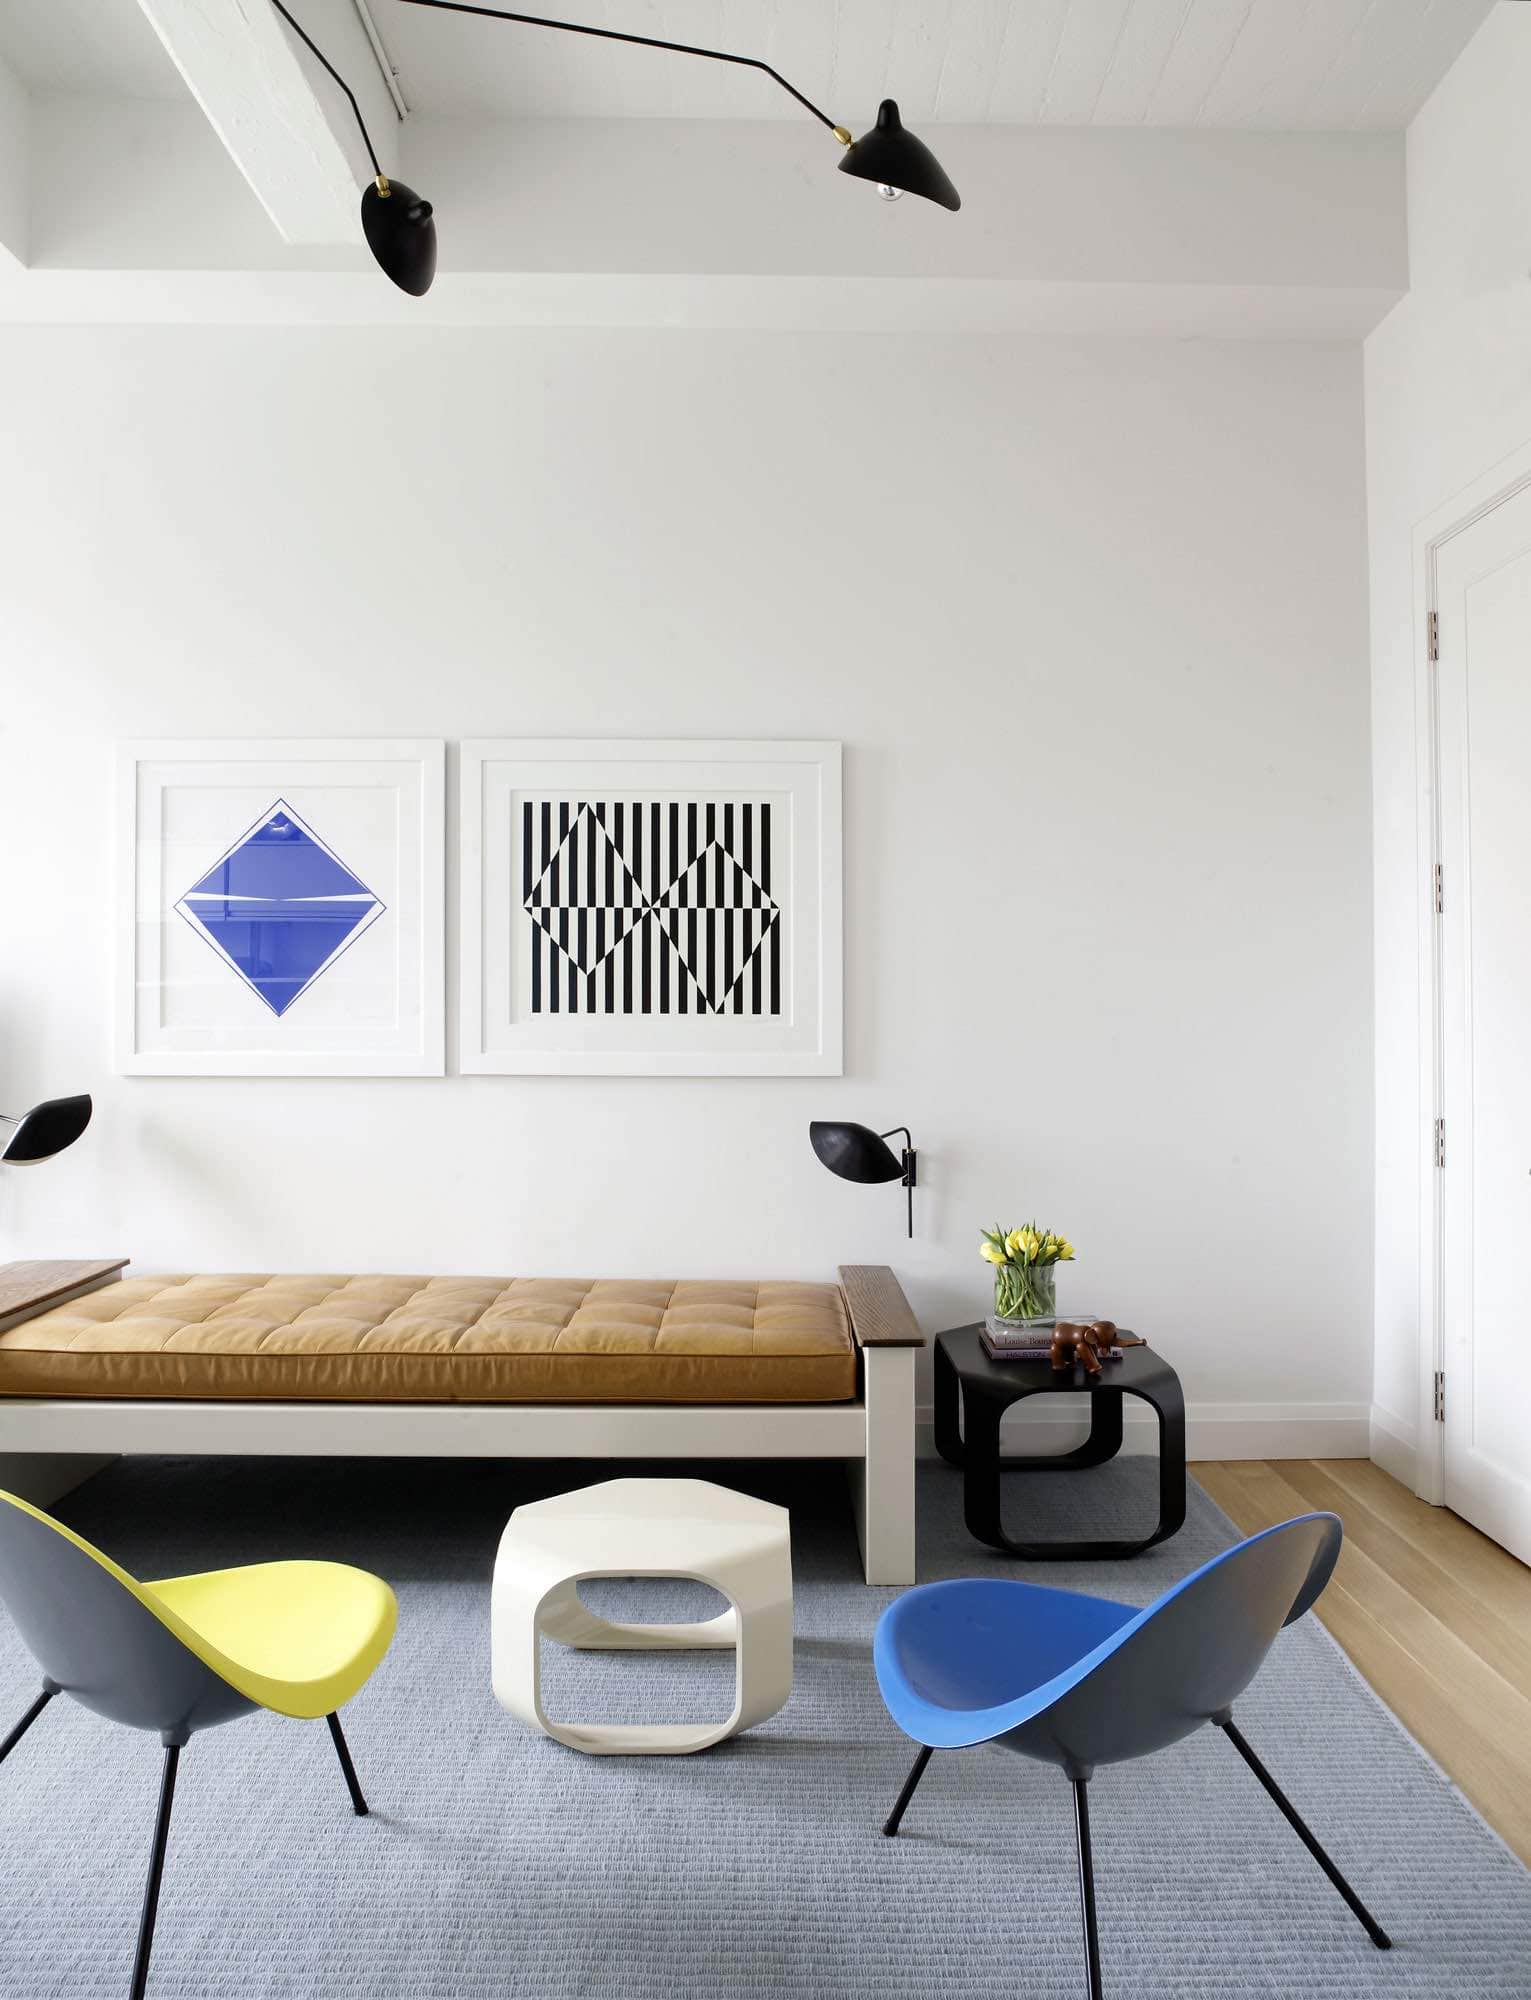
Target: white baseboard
{"x":1213,"y":1430}
{"x":1394,"y":1446}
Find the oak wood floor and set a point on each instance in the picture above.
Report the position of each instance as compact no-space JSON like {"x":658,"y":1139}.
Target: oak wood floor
{"x":1436,"y":1616}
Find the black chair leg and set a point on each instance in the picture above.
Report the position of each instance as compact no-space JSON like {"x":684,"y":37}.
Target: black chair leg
{"x":358,"y":1803}
{"x":156,"y":1872}
{"x":26,"y":1722}
{"x":1087,"y":1888}
{"x":890,"y":1824}
{"x":1373,"y":1929}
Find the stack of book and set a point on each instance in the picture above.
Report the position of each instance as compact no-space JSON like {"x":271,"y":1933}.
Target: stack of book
{"x":1020,"y":1340}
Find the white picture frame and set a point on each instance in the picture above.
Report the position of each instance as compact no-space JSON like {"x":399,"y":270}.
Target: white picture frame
{"x":689,"y":916}
{"x":281,"y":908}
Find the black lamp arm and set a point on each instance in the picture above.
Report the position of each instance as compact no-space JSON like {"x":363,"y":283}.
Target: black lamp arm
{"x":639,"y":41}
{"x":908,"y":1165}
{"x":908,"y":1147}
{"x":314,"y":50}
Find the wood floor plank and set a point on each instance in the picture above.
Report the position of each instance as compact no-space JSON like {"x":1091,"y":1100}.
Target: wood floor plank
{"x":1469,"y":1681}
{"x":1217,"y":1479}
{"x":1500,"y":1580}
{"x":1260,"y":1495}
{"x":1433,"y":1615}
{"x":1424,"y":1581}
{"x":1470,"y":1754}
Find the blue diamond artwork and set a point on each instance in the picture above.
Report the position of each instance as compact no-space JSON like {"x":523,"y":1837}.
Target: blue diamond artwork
{"x":279,"y":907}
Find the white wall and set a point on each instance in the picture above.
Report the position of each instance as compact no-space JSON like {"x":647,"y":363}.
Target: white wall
{"x":1090,"y":620}
{"x":1448,"y":395}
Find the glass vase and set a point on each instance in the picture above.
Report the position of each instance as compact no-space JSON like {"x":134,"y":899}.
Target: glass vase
{"x":1026,"y":1292}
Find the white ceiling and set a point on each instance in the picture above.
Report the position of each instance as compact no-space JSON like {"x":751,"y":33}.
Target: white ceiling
{"x":1333,"y":64}
{"x":1260,"y":64}
{"x":92,"y":47}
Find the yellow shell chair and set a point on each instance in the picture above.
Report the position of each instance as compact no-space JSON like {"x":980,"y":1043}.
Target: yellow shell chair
{"x":297,"y":1637}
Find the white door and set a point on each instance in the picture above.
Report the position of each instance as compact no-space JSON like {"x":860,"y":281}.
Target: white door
{"x":1483,"y":597}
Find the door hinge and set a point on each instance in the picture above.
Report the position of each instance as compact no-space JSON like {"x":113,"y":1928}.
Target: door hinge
{"x":1440,"y":1142}
{"x":1440,"y":890}
{"x":1433,"y":636}
{"x":1440,"y":1397}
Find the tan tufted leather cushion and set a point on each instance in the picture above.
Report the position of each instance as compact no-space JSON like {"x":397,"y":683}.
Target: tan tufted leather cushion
{"x":453,"y":1340}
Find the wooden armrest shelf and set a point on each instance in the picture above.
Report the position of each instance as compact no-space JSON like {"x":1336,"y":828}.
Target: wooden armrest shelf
{"x":880,"y":1314}
{"x":33,"y":1286}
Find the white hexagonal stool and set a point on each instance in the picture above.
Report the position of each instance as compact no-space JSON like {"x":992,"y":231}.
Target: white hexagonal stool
{"x":644,"y":1527}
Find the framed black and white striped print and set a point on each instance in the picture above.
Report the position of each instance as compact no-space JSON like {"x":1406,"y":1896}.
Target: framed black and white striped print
{"x":651,"y":908}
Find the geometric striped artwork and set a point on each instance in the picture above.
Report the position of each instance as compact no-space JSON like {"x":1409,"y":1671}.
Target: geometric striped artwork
{"x":651,"y":907}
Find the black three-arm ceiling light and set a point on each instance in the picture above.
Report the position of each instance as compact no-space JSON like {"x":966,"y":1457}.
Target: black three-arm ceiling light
{"x":400,"y":227}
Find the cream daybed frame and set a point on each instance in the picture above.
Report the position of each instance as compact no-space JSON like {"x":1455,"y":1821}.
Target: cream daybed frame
{"x":49,"y":1444}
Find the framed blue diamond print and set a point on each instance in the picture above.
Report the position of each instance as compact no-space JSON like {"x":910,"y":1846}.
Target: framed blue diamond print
{"x":282,"y":909}
{"x":650,"y":908}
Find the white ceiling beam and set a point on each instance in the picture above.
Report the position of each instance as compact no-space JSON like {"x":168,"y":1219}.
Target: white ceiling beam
{"x":15,"y":167}
{"x":287,"y":128}
{"x":841,"y":305}
{"x":598,"y":222}
{"x":587,"y":197}
{"x":1040,"y":203}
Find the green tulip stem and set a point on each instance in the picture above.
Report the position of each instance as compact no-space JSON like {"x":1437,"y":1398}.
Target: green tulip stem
{"x":1025,"y":1291}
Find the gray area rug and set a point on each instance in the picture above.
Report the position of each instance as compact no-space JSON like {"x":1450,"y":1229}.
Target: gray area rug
{"x":499,"y":1863}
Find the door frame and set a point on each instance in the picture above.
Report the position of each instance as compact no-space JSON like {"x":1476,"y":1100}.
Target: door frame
{"x":1503,"y":481}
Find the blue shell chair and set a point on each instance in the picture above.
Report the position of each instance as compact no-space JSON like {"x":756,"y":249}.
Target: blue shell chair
{"x":1079,"y":1681}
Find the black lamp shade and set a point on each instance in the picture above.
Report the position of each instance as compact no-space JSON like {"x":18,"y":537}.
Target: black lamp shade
{"x":854,"y":1152}
{"x":401,"y":234}
{"x":895,"y":158}
{"x":45,"y":1130}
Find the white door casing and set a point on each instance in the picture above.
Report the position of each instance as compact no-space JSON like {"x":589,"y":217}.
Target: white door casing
{"x":1483,"y":693}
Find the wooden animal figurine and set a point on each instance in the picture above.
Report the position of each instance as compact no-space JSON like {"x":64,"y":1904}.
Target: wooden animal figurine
{"x":1082,"y":1340}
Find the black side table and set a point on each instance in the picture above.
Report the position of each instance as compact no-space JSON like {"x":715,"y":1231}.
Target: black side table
{"x":985,"y":1389}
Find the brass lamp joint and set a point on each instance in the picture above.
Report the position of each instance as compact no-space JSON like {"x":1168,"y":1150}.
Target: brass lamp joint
{"x":383,"y":189}
{"x":841,"y":134}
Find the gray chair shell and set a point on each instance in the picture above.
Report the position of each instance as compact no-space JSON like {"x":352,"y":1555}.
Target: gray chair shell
{"x":95,"y":1641}
{"x":1079,"y":1681}
{"x":116,"y":1646}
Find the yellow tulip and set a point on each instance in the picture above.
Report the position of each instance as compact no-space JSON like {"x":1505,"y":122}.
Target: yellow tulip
{"x":991,"y":1253}
{"x":1013,"y":1241}
{"x":1065,"y":1250}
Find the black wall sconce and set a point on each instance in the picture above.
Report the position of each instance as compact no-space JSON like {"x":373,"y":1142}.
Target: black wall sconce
{"x":43,"y":1131}
{"x":857,"y":1153}
{"x":401,"y":231}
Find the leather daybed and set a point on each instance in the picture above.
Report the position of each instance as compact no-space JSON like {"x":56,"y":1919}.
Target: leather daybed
{"x":493,"y":1367}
